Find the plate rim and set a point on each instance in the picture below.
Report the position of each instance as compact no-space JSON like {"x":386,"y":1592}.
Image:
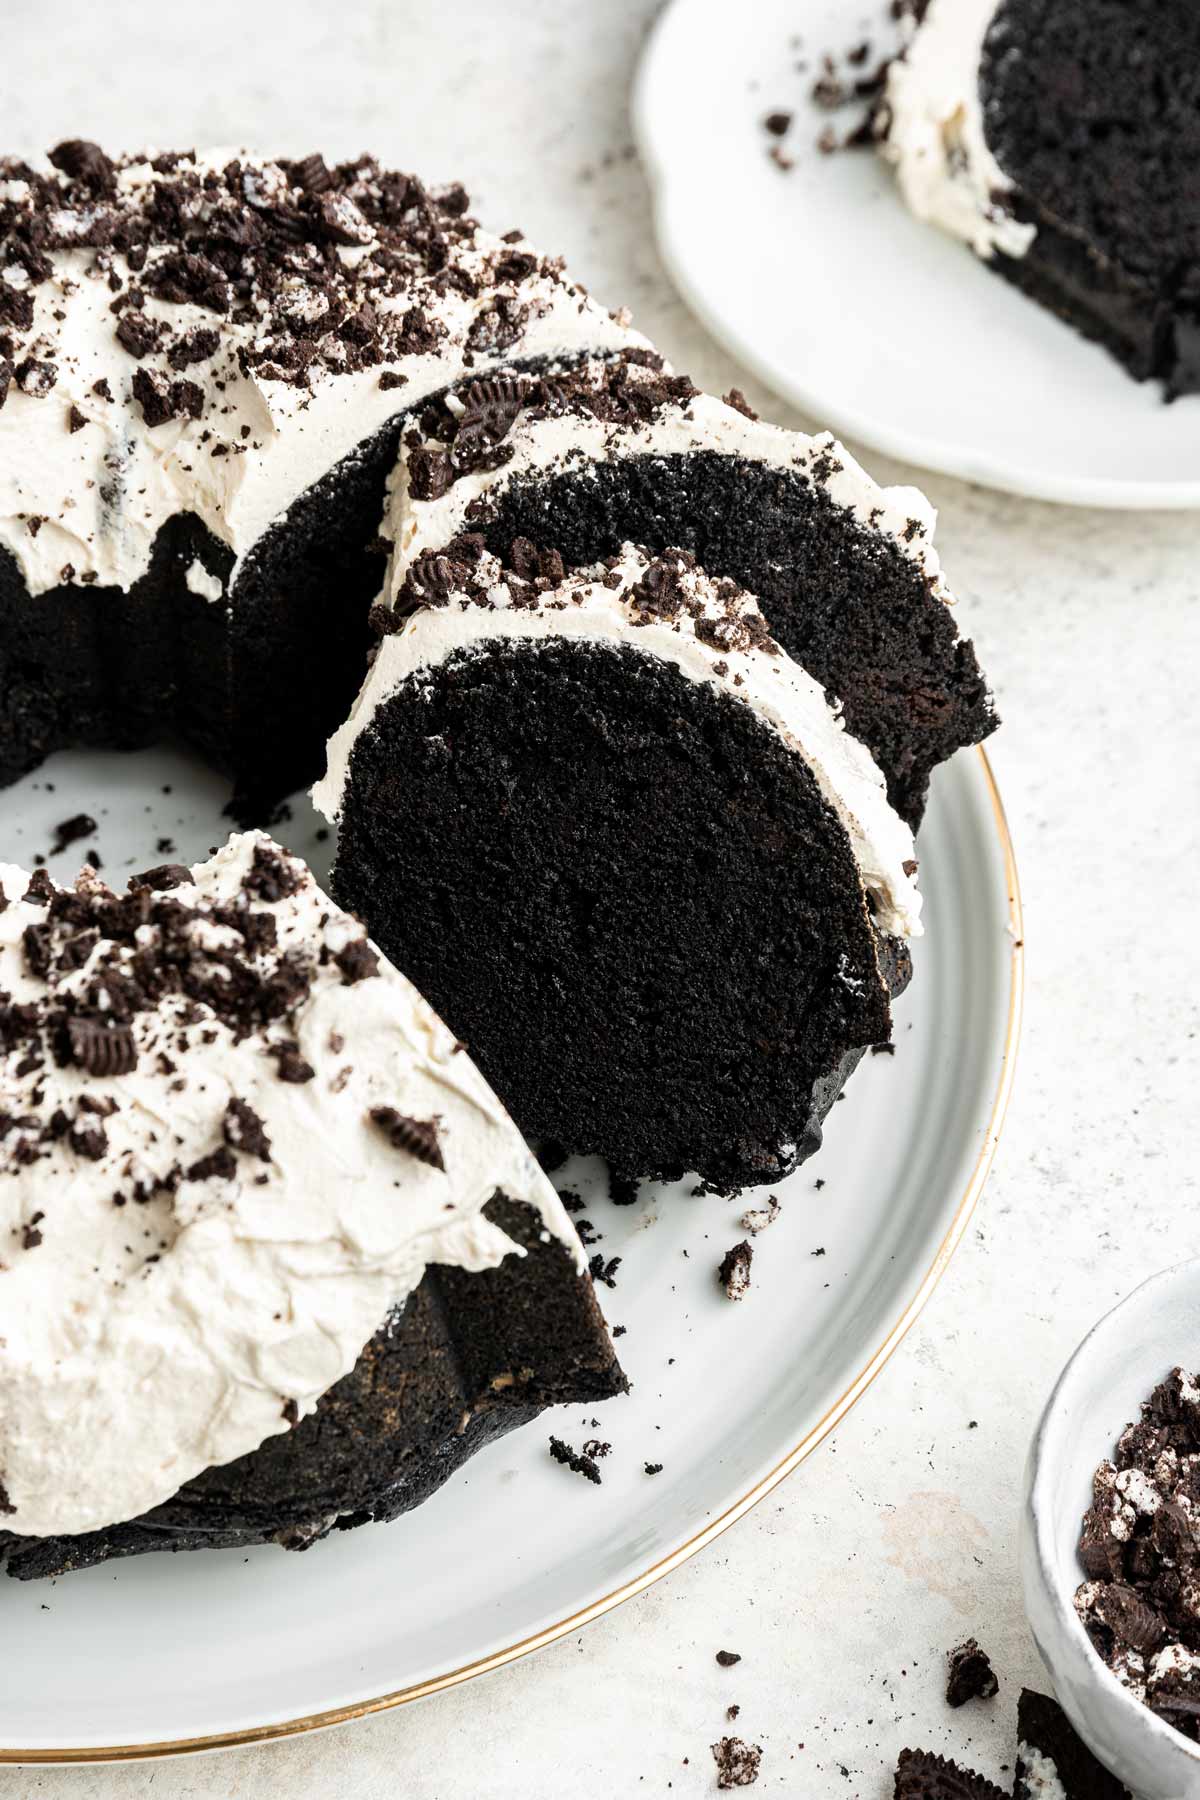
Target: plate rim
{"x":963,"y":463}
{"x":737,"y":1509}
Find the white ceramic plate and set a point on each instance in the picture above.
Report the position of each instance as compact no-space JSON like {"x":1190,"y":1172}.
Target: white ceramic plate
{"x":821,"y":283}
{"x":152,"y":1655}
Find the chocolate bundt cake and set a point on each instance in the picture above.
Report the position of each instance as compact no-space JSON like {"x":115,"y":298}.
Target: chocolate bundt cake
{"x":629,"y":850}
{"x":620,"y":450}
{"x":275,"y":1260}
{"x":1060,"y":141}
{"x":205,"y":362}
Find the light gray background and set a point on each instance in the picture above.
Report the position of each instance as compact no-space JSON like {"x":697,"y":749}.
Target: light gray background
{"x":843,"y":1590}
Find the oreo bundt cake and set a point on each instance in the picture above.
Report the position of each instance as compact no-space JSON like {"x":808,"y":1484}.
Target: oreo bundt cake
{"x":630,"y":852}
{"x":204,"y":362}
{"x":629,"y":836}
{"x":275,"y":1259}
{"x":1060,"y":141}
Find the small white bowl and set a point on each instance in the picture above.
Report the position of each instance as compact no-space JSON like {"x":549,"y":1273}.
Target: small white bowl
{"x":1116,"y":1367}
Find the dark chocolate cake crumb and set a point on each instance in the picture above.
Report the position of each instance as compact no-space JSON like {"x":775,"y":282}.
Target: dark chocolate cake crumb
{"x":970,"y":1675}
{"x":727,"y":1658}
{"x":580,"y":1464}
{"x":737,"y":1762}
{"x":69,"y":831}
{"x":651,"y":1468}
{"x":734,"y":1270}
{"x":777,"y":124}
{"x":419,"y":1137}
{"x":622,"y":1189}
{"x":552,"y":1157}
{"x":603,"y":1271}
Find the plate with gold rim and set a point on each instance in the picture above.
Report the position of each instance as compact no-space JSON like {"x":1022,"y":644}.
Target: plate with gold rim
{"x":809,"y":270}
{"x":168,"y":1654}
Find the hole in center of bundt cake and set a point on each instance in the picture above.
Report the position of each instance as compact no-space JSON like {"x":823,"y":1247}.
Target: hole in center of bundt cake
{"x":625,"y":893}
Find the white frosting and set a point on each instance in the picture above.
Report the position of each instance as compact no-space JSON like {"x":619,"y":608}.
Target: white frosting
{"x":935,"y":136}
{"x":91,"y":501}
{"x":579,"y":443}
{"x":1039,"y":1775}
{"x":586,"y":608}
{"x":123,"y":1377}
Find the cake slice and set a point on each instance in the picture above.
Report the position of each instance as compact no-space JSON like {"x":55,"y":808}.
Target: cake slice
{"x":620,"y":450}
{"x":628,"y":849}
{"x":205,"y":362}
{"x":1060,"y":141}
{"x":274,"y":1258}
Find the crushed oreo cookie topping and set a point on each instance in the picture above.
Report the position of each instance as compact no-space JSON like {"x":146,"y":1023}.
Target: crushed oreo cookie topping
{"x":734,"y":1270}
{"x":1139,"y":1545}
{"x":738,"y":1763}
{"x":969,"y":1675}
{"x":195,"y":324}
{"x":201,"y":1200}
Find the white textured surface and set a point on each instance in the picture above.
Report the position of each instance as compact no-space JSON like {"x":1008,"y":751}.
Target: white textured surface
{"x":842,"y":1591}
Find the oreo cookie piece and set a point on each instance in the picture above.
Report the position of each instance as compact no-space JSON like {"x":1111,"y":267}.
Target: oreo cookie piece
{"x":1053,"y":1763}
{"x":970,"y":1675}
{"x":620,"y":450}
{"x":922,"y":1776}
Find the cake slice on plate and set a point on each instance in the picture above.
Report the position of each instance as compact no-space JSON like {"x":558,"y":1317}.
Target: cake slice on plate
{"x":619,"y":450}
{"x":629,"y":850}
{"x":275,"y":1260}
{"x":1061,"y":142}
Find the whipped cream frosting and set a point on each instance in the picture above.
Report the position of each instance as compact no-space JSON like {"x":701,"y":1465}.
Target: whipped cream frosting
{"x":550,"y":436}
{"x":935,"y":133}
{"x":719,"y":637}
{"x":206,"y":1216}
{"x":90,"y":471}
